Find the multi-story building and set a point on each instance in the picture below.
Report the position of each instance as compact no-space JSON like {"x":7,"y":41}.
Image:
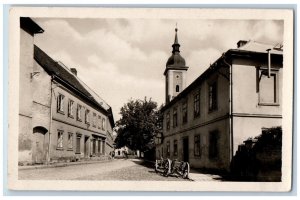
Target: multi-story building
{"x":234,"y":99}
{"x":69,"y":120}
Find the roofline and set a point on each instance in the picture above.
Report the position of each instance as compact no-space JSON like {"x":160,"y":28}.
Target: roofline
{"x":30,"y":26}
{"x":212,"y":67}
{"x":66,"y":84}
{"x":170,"y":67}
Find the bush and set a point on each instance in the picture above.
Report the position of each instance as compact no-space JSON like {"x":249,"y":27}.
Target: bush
{"x":259,"y":159}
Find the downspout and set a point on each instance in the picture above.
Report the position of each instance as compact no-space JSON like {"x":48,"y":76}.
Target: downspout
{"x":230,"y":109}
{"x":269,"y":62}
{"x":50,"y":127}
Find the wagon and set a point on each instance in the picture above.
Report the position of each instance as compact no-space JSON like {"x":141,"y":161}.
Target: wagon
{"x":169,"y":167}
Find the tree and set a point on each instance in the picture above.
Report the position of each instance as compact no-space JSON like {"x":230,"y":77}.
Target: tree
{"x":139,"y":124}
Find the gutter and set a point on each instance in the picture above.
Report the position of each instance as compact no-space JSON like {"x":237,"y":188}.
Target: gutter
{"x":79,"y":92}
{"x":230,"y":107}
{"x":50,"y":126}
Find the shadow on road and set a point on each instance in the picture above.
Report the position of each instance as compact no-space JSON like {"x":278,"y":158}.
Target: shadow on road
{"x":151,"y":166}
{"x":147,"y":164}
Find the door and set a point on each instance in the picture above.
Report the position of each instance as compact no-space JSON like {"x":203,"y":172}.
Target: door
{"x":185,"y":146}
{"x":86,"y":144}
{"x":39,"y":150}
{"x":94,"y":146}
{"x":78,"y":144}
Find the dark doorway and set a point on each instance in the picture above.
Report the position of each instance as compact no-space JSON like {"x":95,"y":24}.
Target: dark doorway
{"x":86,"y":139}
{"x":185,"y":147}
{"x":39,"y":152}
{"x":94,"y":147}
{"x":99,"y":147}
{"x":78,"y":144}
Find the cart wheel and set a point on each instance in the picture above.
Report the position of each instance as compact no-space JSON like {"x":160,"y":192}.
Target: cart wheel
{"x":167,"y":167}
{"x":186,"y":171}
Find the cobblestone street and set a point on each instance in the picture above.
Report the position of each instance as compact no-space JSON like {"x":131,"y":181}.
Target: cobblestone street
{"x":119,"y":169}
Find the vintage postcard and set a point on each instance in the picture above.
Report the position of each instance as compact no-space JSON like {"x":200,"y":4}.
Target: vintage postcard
{"x":150,"y":99}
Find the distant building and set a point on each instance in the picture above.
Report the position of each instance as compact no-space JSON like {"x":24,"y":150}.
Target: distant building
{"x":65,"y":120}
{"x":234,"y":99}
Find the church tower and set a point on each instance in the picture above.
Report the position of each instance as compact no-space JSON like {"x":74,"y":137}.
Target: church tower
{"x":175,"y":72}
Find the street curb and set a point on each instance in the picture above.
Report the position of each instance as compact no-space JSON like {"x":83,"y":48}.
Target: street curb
{"x":61,"y":164}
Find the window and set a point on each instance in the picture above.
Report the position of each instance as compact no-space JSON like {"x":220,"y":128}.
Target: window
{"x":60,"y":139}
{"x":197,"y":150}
{"x":268,"y":88}
{"x":213,"y":145}
{"x":175,"y":148}
{"x":197,"y":104}
{"x":213,"y":96}
{"x":177,"y":88}
{"x":99,"y":122}
{"x":60,"y":103}
{"x":70,"y":108}
{"x":79,"y":112}
{"x":94,"y":119}
{"x":87,"y":116}
{"x":168,"y":120}
{"x":78,"y":139}
{"x":70,"y":140}
{"x":168,"y":149}
{"x":103,"y":124}
{"x":184,"y":112}
{"x":175,"y":117}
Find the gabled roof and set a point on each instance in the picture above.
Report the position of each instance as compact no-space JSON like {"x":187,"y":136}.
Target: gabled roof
{"x":30,"y":26}
{"x":258,"y":47}
{"x":64,"y":75}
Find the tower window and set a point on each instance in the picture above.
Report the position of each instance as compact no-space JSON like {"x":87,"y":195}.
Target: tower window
{"x":177,"y":88}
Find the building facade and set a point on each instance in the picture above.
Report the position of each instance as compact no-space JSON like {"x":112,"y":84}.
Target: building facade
{"x":233,"y":100}
{"x":69,"y":121}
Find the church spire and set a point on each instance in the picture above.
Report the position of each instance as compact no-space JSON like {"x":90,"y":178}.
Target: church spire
{"x":176,"y":45}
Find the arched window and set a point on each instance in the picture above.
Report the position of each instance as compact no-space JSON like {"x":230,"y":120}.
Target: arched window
{"x":177,"y":88}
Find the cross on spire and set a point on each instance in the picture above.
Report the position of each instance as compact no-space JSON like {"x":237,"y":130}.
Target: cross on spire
{"x":176,"y":45}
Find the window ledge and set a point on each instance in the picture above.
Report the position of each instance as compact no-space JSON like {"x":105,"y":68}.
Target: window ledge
{"x":61,"y":112}
{"x":71,"y":116}
{"x":268,"y":104}
{"x":70,"y":149}
{"x":60,"y":148}
{"x":212,"y":111}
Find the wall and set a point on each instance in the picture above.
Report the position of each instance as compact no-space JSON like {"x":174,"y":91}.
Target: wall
{"x":203,"y":125}
{"x":61,"y":121}
{"x":109,"y":138}
{"x":25,"y":97}
{"x":245,"y":95}
{"x":41,"y":84}
{"x":203,"y":161}
{"x":250,"y":116}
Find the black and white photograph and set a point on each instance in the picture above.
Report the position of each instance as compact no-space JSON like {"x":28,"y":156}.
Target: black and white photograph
{"x":145,"y":99}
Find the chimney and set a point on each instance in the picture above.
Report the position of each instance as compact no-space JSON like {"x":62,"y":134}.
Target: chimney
{"x":241,"y":43}
{"x":74,"y":71}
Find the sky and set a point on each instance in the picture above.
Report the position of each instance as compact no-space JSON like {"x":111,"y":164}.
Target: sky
{"x":123,"y":59}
